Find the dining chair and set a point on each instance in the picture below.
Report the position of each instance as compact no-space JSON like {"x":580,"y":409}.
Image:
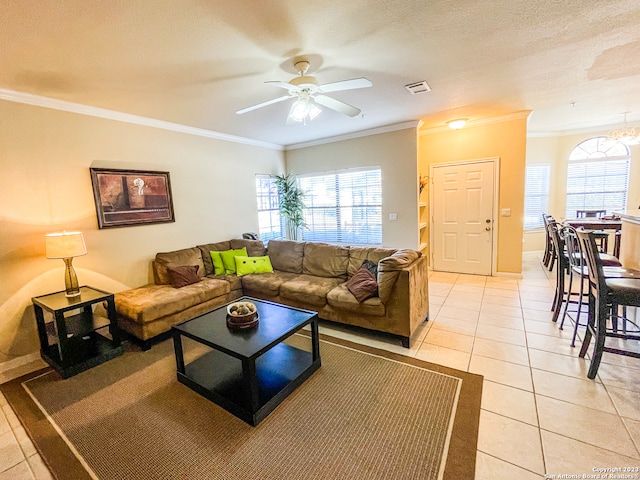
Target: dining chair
{"x":561,"y":269}
{"x":547,"y":257}
{"x":578,"y":272}
{"x":553,"y":255}
{"x":616,"y":244}
{"x":605,"y":294}
{"x":590,"y":213}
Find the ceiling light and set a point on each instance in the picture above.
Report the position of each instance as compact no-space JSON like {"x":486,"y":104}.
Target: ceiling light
{"x":626,"y":135}
{"x":303,"y":109}
{"x":457,"y":124}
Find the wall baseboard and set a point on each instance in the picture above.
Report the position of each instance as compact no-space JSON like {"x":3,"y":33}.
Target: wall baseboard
{"x":507,"y":275}
{"x":19,"y":361}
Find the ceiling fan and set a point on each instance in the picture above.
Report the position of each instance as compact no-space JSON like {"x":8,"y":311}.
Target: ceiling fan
{"x":309,"y":94}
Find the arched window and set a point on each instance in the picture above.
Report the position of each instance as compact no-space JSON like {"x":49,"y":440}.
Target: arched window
{"x":598,"y":176}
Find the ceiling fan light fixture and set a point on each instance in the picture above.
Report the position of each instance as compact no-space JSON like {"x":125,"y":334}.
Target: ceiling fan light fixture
{"x":303,"y":109}
{"x":314,"y":111}
{"x":457,"y":124}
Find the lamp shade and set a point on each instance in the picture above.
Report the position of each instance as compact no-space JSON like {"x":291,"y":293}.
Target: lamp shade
{"x":65,"y":245}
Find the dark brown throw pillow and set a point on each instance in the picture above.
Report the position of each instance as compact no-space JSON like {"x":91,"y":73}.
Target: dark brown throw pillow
{"x":183,"y":275}
{"x":362,"y":284}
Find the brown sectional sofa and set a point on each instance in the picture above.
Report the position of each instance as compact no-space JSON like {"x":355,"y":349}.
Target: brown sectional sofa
{"x":307,"y":275}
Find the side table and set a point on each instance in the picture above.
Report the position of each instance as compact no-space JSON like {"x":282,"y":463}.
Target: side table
{"x":75,"y":340}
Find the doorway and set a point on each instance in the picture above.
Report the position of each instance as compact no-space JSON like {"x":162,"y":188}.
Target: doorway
{"x":462,"y":216}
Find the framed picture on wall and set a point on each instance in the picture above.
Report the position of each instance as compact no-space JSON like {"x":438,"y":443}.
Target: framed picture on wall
{"x":131,"y":197}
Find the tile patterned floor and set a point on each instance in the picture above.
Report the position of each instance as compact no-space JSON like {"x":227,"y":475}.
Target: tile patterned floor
{"x":540,"y":414}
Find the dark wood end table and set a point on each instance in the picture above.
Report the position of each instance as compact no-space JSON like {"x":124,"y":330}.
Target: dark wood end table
{"x":74,"y":340}
{"x":248,"y":372}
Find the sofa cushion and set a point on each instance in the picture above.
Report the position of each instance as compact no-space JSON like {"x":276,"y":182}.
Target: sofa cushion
{"x":206,"y":257}
{"x":234,"y":280}
{"x":247,"y":265}
{"x":255,"y":248}
{"x":265,"y":284}
{"x":183,"y":275}
{"x":286,"y":255}
{"x":357,"y":255}
{"x":186,"y":256}
{"x":363,"y":284}
{"x":324,"y":260}
{"x":341,"y":298}
{"x":309,"y":289}
{"x":148,"y":303}
{"x":389,"y":269}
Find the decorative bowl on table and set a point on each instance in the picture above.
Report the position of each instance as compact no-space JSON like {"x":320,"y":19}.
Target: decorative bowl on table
{"x":242,"y":315}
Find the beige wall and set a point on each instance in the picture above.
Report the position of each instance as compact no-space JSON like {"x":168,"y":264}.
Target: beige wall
{"x":45,"y":186}
{"x":396,"y":154}
{"x":556,"y":150}
{"x":505,"y":140}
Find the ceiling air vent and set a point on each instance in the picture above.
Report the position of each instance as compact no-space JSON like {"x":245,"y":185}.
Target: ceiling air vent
{"x":418,"y":87}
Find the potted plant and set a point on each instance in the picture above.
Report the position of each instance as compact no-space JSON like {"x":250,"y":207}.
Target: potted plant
{"x":291,"y":204}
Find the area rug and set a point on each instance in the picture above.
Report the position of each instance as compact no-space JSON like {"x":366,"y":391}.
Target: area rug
{"x":365,"y":414}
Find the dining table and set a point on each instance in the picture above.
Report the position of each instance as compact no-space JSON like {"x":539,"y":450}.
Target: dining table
{"x":596,"y":223}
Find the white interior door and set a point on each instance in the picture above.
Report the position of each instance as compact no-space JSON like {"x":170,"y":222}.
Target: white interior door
{"x":462,"y":213}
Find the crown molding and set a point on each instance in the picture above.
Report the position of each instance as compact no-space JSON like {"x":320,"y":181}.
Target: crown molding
{"x":602,"y":129}
{"x":482,"y":121}
{"x":63,"y":105}
{"x":362,"y":133}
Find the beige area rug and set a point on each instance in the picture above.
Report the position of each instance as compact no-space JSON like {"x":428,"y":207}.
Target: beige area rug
{"x":366,"y":414}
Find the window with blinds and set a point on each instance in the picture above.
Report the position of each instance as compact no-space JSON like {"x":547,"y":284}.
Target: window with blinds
{"x":597,"y":176}
{"x":269,"y":222}
{"x":343,"y":206}
{"x":536,"y":194}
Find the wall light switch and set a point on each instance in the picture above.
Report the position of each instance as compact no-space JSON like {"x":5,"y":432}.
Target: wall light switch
{"x":505,"y":212}
{"x":393,"y":216}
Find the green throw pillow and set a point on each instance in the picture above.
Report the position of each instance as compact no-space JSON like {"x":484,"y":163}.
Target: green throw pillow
{"x":247,"y":265}
{"x":228,"y":259}
{"x":218,"y":266}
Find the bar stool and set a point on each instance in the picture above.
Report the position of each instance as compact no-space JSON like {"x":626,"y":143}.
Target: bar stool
{"x":590,"y":213}
{"x":616,"y":244}
{"x":549,"y":256}
{"x":561,"y":269}
{"x":602,"y":237}
{"x":604,"y":294}
{"x":578,"y":270}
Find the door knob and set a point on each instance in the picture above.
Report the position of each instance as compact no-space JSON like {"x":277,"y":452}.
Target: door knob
{"x":488,"y":220}
{"x":487,"y":228}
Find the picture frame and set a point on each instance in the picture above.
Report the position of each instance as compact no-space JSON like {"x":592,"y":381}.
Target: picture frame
{"x":126,"y":198}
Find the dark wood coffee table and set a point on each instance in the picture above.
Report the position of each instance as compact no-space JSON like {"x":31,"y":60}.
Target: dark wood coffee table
{"x":248,"y":372}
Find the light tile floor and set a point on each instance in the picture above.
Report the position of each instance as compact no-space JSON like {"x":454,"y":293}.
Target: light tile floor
{"x":540,"y":414}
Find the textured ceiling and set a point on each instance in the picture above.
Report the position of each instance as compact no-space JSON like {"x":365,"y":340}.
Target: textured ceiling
{"x":196,"y":62}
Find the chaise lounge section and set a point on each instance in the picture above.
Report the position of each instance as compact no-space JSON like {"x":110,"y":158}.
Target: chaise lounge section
{"x":309,"y":275}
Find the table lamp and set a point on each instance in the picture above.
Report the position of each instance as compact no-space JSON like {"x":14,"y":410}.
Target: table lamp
{"x":66,"y":245}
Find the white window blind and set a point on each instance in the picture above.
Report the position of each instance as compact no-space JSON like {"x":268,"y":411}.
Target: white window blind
{"x":343,"y":207}
{"x":536,"y":194}
{"x":269,"y":222}
{"x":597,"y":177}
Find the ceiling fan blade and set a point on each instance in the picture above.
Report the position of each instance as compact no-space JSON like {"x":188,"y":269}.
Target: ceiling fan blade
{"x":337,"y":105}
{"x":264,"y":104}
{"x":345,"y":85}
{"x":285,"y":85}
